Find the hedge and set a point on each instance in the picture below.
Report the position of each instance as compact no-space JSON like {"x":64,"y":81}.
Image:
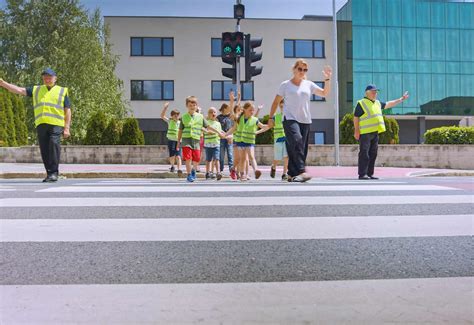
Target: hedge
{"x":267,"y":136}
{"x":450,"y":135}
{"x":13,"y":130}
{"x":346,"y":131}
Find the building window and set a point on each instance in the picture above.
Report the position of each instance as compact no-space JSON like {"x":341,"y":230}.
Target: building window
{"x":349,"y":92}
{"x":349,"y":50}
{"x":303,"y":48}
{"x":220,"y":90}
{"x":315,"y":98}
{"x":216,"y":47}
{"x":151,"y":46}
{"x":320,"y":137}
{"x":152,"y":90}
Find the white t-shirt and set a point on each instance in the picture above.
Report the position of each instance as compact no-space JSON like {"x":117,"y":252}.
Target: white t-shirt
{"x":297,"y":98}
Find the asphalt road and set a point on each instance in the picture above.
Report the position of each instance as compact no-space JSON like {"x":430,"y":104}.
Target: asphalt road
{"x":164,"y":251}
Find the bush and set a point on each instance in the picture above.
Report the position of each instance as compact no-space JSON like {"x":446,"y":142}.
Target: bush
{"x":10,"y":140}
{"x":131,"y":133}
{"x":20,"y":121}
{"x":265,"y":137}
{"x":111,"y":135}
{"x":450,"y":135}
{"x":95,"y":128}
{"x":346,"y":130}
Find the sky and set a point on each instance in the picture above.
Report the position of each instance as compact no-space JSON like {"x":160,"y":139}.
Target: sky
{"x":292,"y":9}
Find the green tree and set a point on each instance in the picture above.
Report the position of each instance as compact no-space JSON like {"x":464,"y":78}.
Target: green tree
{"x":9,"y":120}
{"x":63,"y":35}
{"x":111,"y":135}
{"x":20,"y":120}
{"x":131,"y":133}
{"x":95,"y":128}
{"x":3,"y":121}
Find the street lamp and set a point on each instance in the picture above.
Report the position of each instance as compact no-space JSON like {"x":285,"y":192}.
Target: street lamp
{"x":239,"y":11}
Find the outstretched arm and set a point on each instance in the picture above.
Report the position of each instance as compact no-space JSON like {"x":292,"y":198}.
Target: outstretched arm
{"x":13,"y":88}
{"x":395,"y":102}
{"x":163,"y":112}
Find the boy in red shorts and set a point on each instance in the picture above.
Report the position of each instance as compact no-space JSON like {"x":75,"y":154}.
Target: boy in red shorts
{"x":189,"y":136}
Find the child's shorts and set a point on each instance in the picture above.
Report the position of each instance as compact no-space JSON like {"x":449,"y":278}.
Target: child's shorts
{"x":279,"y":151}
{"x":212,"y":154}
{"x":191,"y":154}
{"x":172,"y":148}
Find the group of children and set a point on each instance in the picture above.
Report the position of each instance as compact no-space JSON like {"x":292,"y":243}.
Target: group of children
{"x":185,"y":137}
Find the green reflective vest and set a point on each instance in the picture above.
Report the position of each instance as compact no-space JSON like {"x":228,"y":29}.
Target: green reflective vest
{"x":173,"y":127}
{"x":212,"y":138}
{"x":49,"y":105}
{"x":278,"y":131}
{"x":372,"y":119}
{"x":193,"y":125}
{"x":247,"y":129}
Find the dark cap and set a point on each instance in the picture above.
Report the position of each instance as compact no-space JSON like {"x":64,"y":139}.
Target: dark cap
{"x":49,"y":72}
{"x":371,"y":87}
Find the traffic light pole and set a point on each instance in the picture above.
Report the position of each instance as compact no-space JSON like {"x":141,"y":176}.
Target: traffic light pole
{"x":237,"y":59}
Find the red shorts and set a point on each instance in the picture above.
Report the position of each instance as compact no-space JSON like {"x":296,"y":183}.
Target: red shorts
{"x":191,"y":154}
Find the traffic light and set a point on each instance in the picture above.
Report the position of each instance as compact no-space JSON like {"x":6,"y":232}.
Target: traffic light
{"x":251,"y":56}
{"x":232,"y":44}
{"x":230,"y":72}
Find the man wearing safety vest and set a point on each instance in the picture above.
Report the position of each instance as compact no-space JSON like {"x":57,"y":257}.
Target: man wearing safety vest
{"x":368,"y":123}
{"x":52,"y":111}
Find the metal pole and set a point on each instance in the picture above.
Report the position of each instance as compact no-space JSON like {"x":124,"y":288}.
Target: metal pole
{"x":336,"y":87}
{"x":237,"y":61}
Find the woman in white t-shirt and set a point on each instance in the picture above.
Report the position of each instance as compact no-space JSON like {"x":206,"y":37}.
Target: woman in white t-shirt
{"x":297,"y":117}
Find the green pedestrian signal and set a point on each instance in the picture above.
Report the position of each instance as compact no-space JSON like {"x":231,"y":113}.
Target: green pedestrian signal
{"x":227,"y":49}
{"x":238,"y":50}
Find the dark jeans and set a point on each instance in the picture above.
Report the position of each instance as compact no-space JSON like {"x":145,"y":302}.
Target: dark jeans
{"x":368,"y":146}
{"x":297,"y":139}
{"x":225,"y":146}
{"x":49,"y":138}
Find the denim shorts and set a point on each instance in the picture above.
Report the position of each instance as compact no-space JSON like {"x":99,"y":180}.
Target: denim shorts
{"x":172,"y":148}
{"x":279,"y":151}
{"x":212,"y":154}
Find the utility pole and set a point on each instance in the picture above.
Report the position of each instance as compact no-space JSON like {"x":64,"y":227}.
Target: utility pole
{"x":336,"y":87}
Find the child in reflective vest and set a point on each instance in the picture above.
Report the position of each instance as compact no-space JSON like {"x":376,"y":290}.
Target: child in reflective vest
{"x":212,"y":141}
{"x":246,"y":130}
{"x":189,"y":136}
{"x":172,"y":136}
{"x":280,"y":153}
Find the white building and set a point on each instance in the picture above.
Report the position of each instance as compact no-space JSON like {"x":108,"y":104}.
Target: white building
{"x":168,"y":58}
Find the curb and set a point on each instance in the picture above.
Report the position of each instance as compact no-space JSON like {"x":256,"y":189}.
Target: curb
{"x":161,"y":175}
{"x":445,"y":174}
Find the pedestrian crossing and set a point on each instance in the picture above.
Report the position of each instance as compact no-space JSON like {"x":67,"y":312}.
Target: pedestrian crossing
{"x":166,"y":252}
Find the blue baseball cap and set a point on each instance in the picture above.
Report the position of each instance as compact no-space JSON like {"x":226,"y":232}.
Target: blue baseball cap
{"x":371,"y":87}
{"x":49,"y":72}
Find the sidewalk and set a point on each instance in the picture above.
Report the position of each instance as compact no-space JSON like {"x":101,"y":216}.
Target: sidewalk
{"x":15,"y":170}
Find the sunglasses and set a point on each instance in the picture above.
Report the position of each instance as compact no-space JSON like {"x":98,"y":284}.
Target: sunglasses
{"x":301,"y":69}
{"x":192,"y":102}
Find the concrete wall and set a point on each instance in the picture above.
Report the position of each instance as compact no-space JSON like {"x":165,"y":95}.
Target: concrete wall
{"x":426,"y":156}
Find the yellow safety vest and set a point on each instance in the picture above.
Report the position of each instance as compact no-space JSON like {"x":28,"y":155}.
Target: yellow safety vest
{"x":173,"y":127}
{"x":278,"y":131}
{"x":49,"y":105}
{"x":193,"y":126}
{"x":247,"y":129}
{"x":212,"y":138}
{"x":372,"y":119}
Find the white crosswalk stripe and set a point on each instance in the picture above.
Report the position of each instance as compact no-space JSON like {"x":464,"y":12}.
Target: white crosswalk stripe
{"x":366,"y":266}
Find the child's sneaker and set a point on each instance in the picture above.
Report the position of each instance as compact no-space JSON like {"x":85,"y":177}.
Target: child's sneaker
{"x":258,"y":174}
{"x":172,"y":169}
{"x":284,"y":177}
{"x":193,"y":173}
{"x":190,"y":178}
{"x":233,"y":174}
{"x":219,"y":176}
{"x":272,"y":172}
{"x":208,"y":176}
